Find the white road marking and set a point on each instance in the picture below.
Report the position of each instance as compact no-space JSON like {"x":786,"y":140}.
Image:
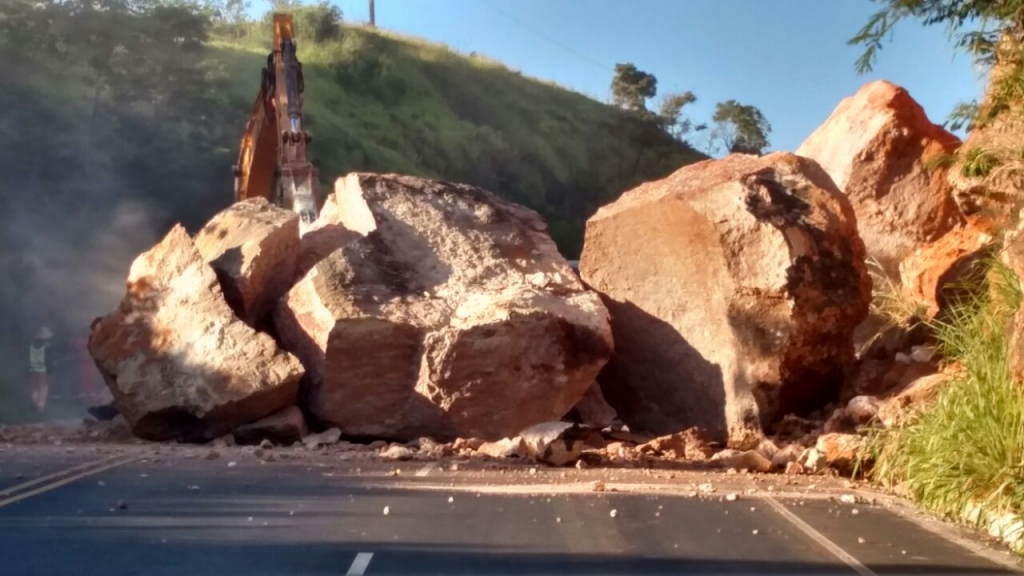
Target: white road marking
{"x":820,"y":538}
{"x":426,"y":469}
{"x":358,"y":567}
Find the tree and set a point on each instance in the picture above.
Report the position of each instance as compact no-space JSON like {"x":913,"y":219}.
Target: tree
{"x":740,"y":128}
{"x":671,"y":117}
{"x":632,"y":87}
{"x":1000,"y":36}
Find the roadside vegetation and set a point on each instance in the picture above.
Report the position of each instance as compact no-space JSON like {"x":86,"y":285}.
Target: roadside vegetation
{"x":967,"y":450}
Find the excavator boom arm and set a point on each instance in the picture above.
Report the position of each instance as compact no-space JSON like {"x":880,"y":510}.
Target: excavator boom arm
{"x":272,"y":160}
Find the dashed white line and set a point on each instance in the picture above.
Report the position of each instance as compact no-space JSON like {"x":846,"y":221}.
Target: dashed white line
{"x":359,"y":565}
{"x":426,"y":469}
{"x":820,"y":538}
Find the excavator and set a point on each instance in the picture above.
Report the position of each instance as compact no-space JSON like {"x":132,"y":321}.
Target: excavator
{"x":272,"y":157}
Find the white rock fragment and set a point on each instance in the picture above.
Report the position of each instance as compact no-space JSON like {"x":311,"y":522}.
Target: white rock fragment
{"x":613,"y":513}
{"x":387,"y":510}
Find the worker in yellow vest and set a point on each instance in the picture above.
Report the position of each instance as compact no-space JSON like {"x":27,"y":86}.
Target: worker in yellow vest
{"x":39,"y":367}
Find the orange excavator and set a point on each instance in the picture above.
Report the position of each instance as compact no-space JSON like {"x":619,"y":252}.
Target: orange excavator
{"x":272,"y":158}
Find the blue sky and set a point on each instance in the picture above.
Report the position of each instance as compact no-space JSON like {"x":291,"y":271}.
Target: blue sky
{"x":788,"y":57}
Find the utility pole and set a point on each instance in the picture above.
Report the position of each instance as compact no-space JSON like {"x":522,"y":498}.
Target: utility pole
{"x":373,"y":18}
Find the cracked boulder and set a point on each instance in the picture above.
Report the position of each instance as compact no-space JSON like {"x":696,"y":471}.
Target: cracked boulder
{"x":879,"y":147}
{"x":253,"y":248}
{"x":450,"y":314}
{"x":179,"y":363}
{"x":734,"y":287}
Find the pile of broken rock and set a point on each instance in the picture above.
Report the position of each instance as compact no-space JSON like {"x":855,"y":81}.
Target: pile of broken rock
{"x":425,"y":318}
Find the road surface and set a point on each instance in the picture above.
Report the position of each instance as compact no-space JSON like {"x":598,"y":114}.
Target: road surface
{"x":93,"y":511}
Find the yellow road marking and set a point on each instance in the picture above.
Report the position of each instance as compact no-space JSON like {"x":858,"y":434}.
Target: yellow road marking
{"x":64,"y":482}
{"x":48,"y":477}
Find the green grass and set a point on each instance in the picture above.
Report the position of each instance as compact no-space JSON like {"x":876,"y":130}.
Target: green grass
{"x":968,"y":447}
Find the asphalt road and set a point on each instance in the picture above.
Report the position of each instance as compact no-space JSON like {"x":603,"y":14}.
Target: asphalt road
{"x":87,"y":512}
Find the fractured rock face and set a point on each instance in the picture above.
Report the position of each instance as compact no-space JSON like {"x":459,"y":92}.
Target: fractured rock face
{"x":451,"y":314}
{"x":179,"y":363}
{"x":877,"y":146}
{"x":734,"y":286}
{"x":947,"y":270}
{"x":284,"y":428}
{"x":253,"y":246}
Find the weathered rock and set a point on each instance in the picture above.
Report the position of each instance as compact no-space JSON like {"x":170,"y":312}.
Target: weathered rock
{"x":593,"y":410}
{"x":398,"y":452}
{"x":451,"y":315}
{"x":741,"y":304}
{"x":787,"y":455}
{"x":751,"y":460}
{"x":884,"y":377}
{"x":1013,"y":257}
{"x":691,"y":444}
{"x":253,"y":247}
{"x":878,"y":146}
{"x":947,"y":270}
{"x":179,"y":363}
{"x":863,"y":409}
{"x":504,"y":448}
{"x":838,"y":422}
{"x":811,"y":461}
{"x":917,"y":396}
{"x":283,"y":428}
{"x":555,"y":443}
{"x":794,"y":428}
{"x":327,"y":438}
{"x":841,"y":451}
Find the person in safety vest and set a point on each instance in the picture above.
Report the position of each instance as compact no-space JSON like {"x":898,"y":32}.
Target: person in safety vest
{"x":39,"y":367}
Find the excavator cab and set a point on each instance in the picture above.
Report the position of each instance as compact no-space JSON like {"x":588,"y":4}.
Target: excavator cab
{"x":272,"y":157}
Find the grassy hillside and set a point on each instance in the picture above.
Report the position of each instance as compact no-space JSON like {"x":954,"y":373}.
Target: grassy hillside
{"x":116,"y":124}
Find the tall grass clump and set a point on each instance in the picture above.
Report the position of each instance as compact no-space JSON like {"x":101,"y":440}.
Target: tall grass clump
{"x":967,"y":449}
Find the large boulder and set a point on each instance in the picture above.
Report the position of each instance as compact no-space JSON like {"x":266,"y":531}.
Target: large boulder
{"x":450,"y":314}
{"x":882,"y":151}
{"x":734,"y":286}
{"x":178,"y":361}
{"x":253,"y":247}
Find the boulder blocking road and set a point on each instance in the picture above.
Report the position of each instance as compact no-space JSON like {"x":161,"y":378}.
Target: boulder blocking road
{"x":92,"y":510}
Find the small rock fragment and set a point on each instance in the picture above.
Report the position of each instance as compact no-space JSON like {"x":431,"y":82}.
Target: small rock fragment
{"x":613,"y":513}
{"x":794,"y":469}
{"x":731,"y":497}
{"x":398,"y":452}
{"x":387,"y":510}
